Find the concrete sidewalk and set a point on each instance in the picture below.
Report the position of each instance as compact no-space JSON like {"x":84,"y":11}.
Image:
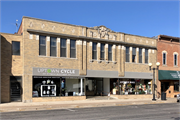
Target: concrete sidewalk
{"x":19,"y":106}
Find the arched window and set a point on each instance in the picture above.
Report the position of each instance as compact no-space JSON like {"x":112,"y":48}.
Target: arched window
{"x":164,"y":58}
{"x":175,"y":58}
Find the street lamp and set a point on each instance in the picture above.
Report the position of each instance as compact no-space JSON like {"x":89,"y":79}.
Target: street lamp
{"x":157,"y":64}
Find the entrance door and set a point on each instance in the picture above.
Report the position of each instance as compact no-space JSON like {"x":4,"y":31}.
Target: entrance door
{"x":15,"y":90}
{"x":94,"y":87}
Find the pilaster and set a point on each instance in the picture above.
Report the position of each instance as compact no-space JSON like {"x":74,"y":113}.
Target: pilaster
{"x":68,"y":48}
{"x":47,"y":45}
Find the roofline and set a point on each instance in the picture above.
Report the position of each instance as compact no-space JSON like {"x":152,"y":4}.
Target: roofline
{"x":82,"y":26}
{"x":170,"y":37}
{"x":10,"y":34}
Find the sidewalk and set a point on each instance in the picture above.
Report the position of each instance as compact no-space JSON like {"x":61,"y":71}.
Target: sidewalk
{"x":19,"y":106}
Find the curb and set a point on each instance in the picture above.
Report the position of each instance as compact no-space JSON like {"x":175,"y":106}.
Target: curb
{"x":55,"y":107}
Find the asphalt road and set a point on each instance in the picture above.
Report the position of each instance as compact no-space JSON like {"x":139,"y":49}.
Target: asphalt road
{"x":168,"y":111}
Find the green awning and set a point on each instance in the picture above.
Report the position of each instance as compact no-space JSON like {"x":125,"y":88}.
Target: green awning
{"x":168,"y":75}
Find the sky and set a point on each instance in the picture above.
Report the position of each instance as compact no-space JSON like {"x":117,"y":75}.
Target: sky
{"x":144,"y":18}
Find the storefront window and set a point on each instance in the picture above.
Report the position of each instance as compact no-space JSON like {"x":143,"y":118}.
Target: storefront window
{"x":44,"y":86}
{"x":132,"y":86}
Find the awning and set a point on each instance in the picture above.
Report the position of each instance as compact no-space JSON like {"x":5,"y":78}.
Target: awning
{"x":168,"y":75}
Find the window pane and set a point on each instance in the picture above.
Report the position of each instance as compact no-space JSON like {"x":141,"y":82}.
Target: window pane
{"x":127,"y":54}
{"x":42,"y":45}
{"x":94,"y":51}
{"x":63,"y":47}
{"x":53,"y":46}
{"x":15,"y":48}
{"x":175,"y":59}
{"x":73,"y":48}
{"x":140,"y":55}
{"x":146,"y":55}
{"x":110,"y":52}
{"x":110,"y":56}
{"x":164,"y":58}
{"x":63,"y":52}
{"x":134,"y":54}
{"x":102,"y":51}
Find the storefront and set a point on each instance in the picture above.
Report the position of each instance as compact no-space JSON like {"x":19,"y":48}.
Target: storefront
{"x":169,"y":82}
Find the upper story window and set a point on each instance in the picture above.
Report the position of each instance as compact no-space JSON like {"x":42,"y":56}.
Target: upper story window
{"x":146,"y":55}
{"x":94,"y":51}
{"x":164,"y":58}
{"x":15,"y":48}
{"x":110,"y":52}
{"x":42,"y":45}
{"x":72,"y":48}
{"x":175,"y":59}
{"x":140,"y":55}
{"x":63,"y":47}
{"x":134,"y":54}
{"x":127,"y":54}
{"x":102,"y":51}
{"x":53,"y":46}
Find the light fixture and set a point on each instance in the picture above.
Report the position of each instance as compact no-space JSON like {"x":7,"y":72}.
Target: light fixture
{"x":158,"y":63}
{"x":150,"y":64}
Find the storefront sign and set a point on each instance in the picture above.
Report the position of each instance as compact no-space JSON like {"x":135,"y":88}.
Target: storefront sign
{"x":125,"y":82}
{"x":55,"y":72}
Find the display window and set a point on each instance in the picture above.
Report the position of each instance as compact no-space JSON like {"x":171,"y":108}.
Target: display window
{"x":135,"y":86}
{"x":44,"y":86}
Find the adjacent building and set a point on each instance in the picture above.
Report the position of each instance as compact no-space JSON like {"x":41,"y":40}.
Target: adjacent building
{"x":169,"y":71}
{"x":53,"y":61}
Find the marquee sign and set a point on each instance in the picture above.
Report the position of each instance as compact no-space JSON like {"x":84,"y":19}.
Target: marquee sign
{"x":55,"y":72}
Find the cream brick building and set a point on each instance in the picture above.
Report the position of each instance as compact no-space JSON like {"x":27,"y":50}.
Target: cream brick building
{"x":55,"y":61}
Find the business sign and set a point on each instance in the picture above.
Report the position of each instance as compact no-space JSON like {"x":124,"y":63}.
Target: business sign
{"x":55,"y":72}
{"x":175,"y":74}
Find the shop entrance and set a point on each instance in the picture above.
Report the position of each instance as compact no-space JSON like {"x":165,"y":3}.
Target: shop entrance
{"x":16,"y":89}
{"x":94,"y":87}
{"x":164,"y":86}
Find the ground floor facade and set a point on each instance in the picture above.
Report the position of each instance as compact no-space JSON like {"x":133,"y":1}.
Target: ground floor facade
{"x":47,"y":84}
{"x":169,"y":83}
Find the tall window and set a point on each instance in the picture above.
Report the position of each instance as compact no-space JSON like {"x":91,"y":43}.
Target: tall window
{"x":102,"y":52}
{"x":140,"y":55}
{"x":53,"y":46}
{"x":175,"y":59}
{"x":72,"y":48}
{"x":15,"y":48}
{"x":134,"y":54}
{"x":63,"y":47}
{"x":127,"y":54}
{"x":164,"y":58}
{"x":109,"y":52}
{"x":42,"y":45}
{"x":94,"y":51}
{"x":146,"y":55}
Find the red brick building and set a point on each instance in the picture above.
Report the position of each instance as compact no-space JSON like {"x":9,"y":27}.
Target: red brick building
{"x":169,"y":69}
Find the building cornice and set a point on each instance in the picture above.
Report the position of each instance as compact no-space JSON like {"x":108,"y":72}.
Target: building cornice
{"x":88,"y":38}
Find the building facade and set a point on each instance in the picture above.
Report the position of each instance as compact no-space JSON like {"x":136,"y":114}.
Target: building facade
{"x":53,"y":61}
{"x":169,"y":71}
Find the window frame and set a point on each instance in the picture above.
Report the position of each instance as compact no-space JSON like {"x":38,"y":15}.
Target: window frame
{"x":164,"y":53}
{"x":72,"y":48}
{"x":146,"y":62}
{"x":40,"y":44}
{"x":134,"y":48}
{"x":19,"y":46}
{"x":62,"y":47}
{"x":110,"y":52}
{"x":53,"y":46}
{"x":175,"y":54}
{"x":140,"y":55}
{"x":102,"y":52}
{"x":94,"y":50}
{"x":128,"y":54}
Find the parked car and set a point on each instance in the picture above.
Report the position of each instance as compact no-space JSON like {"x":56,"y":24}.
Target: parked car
{"x":178,"y":97}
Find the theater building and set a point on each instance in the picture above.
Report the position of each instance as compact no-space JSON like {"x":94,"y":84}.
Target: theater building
{"x":53,"y":61}
{"x":169,"y":71}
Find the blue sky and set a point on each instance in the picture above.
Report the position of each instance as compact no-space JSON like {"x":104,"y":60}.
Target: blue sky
{"x":144,"y":18}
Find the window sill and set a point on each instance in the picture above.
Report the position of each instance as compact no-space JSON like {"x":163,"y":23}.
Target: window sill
{"x":100,"y":61}
{"x":176,"y":66}
{"x":137,"y":63}
{"x":164,"y":65}
{"x":58,"y":57}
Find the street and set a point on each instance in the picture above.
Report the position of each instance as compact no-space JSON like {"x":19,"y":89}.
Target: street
{"x":170,"y":111}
